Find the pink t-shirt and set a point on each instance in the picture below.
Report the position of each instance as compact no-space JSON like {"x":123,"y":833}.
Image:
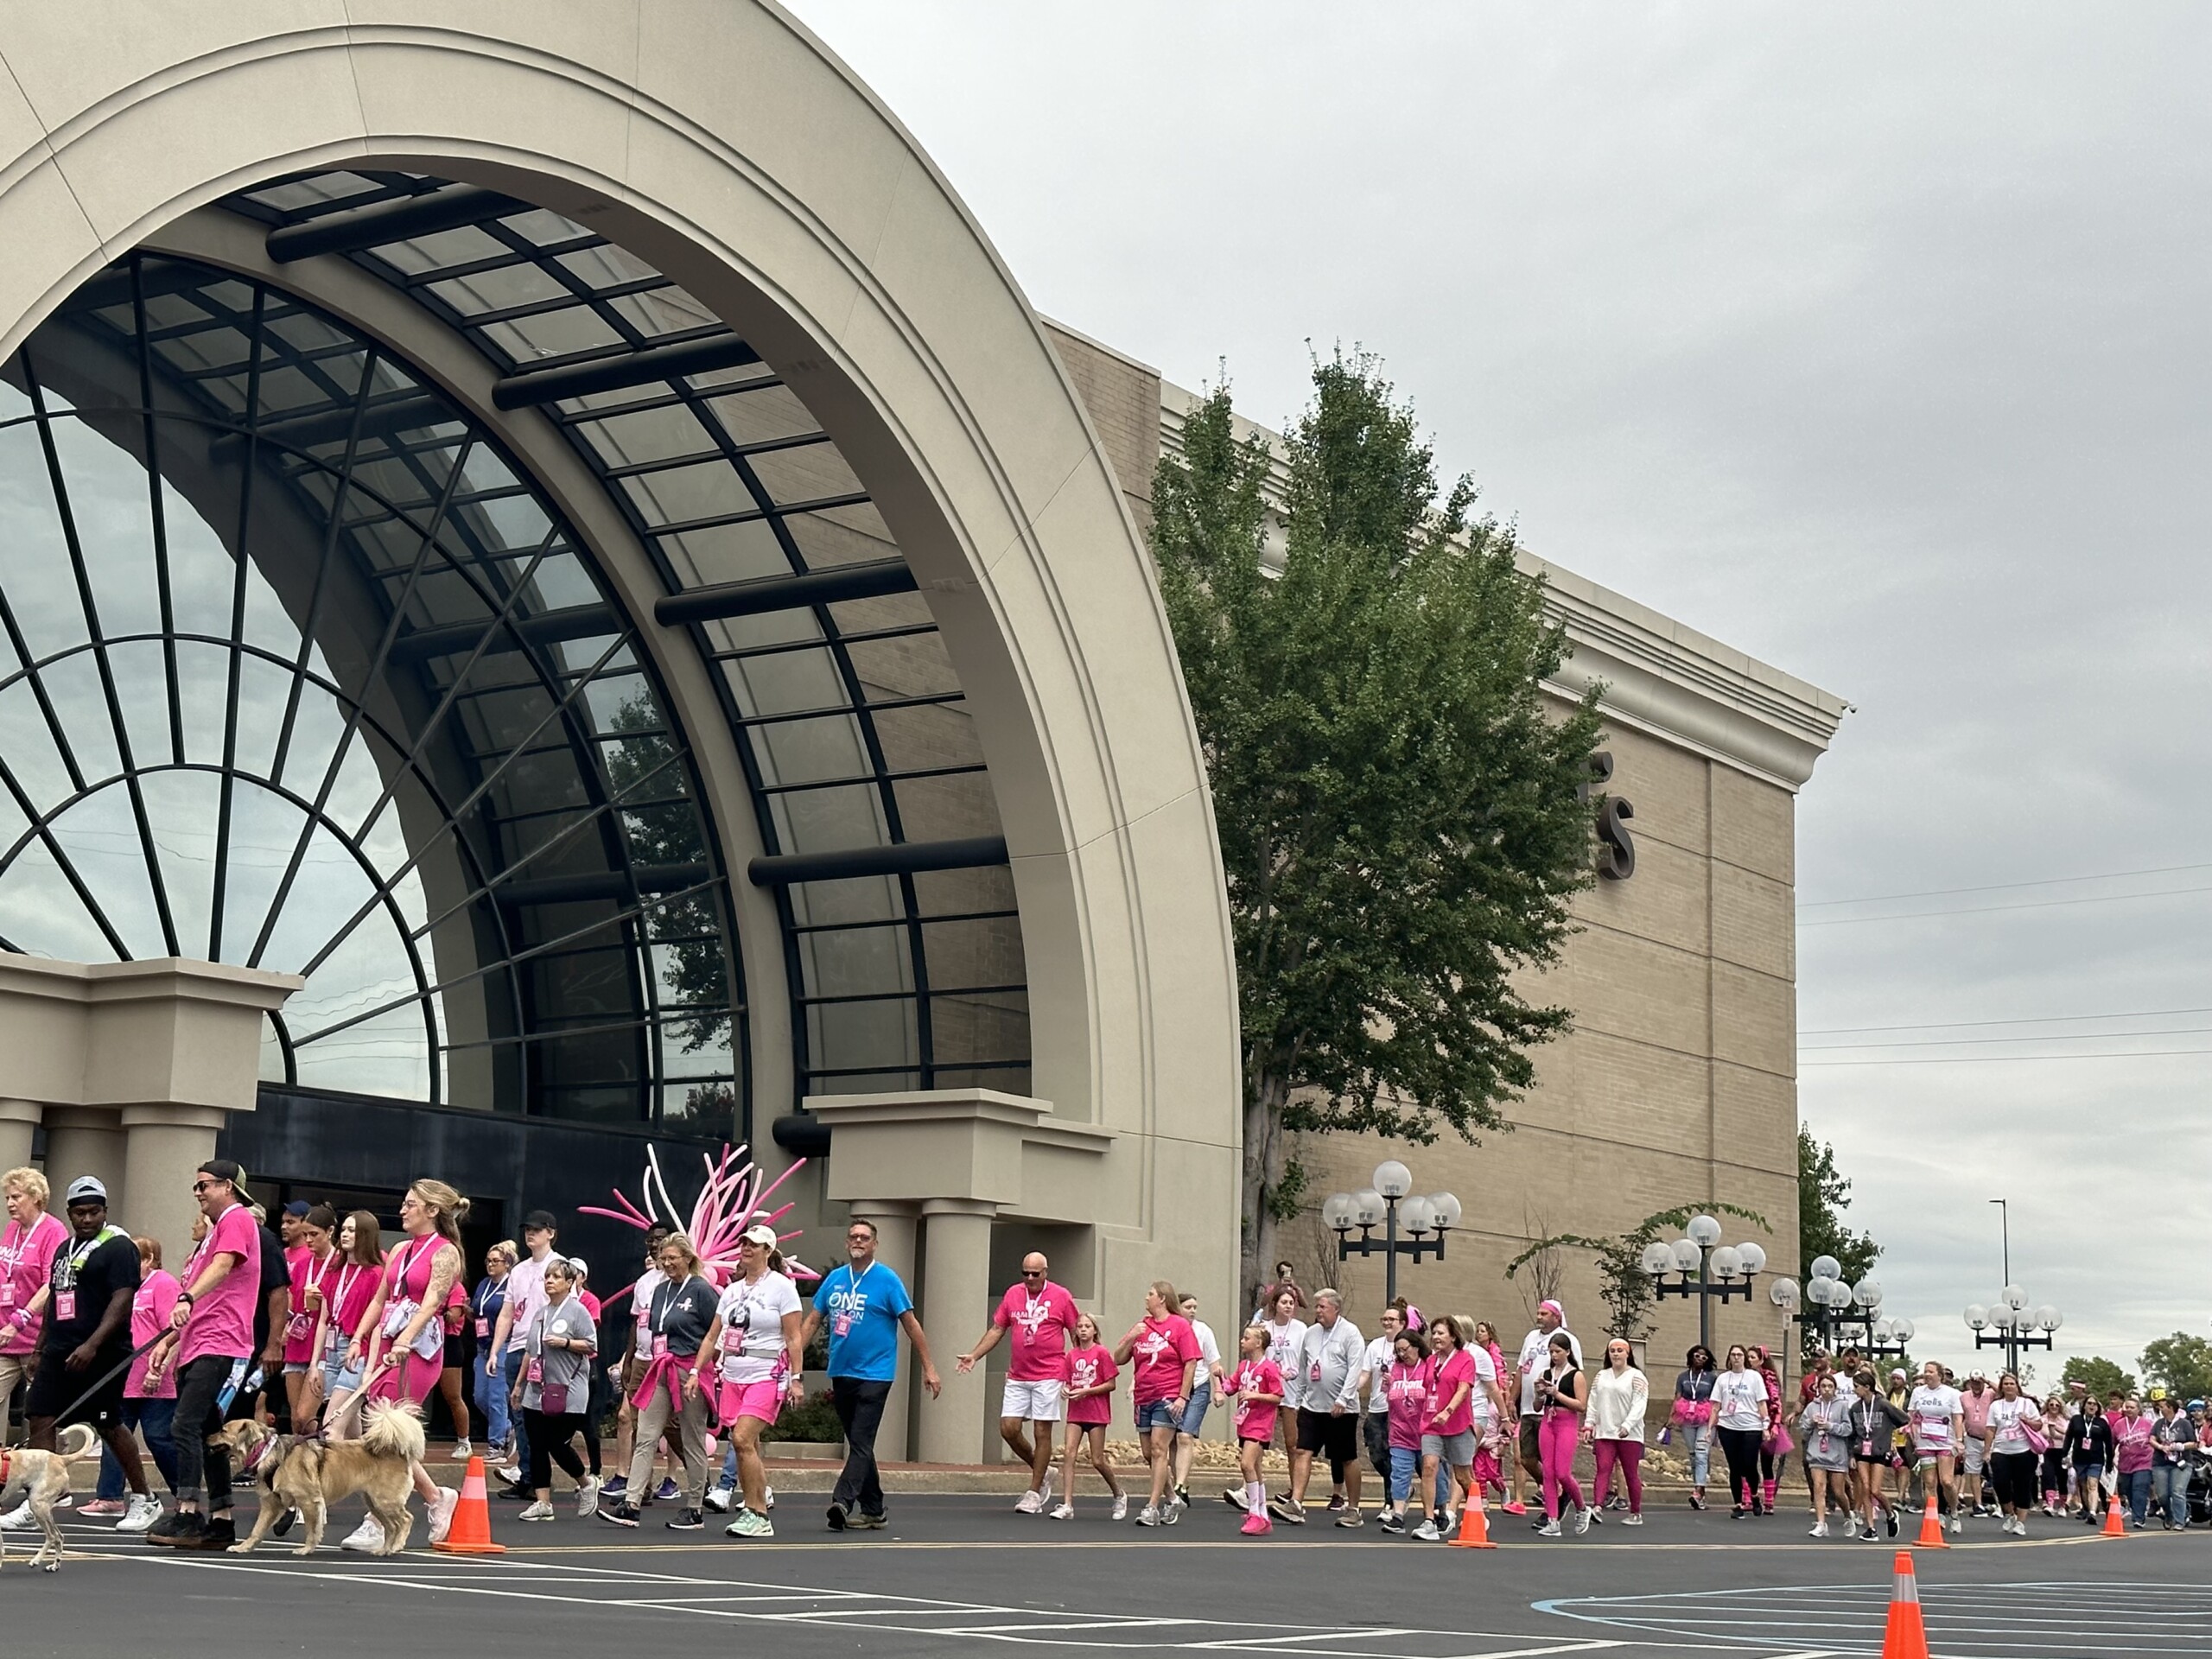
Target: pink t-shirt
{"x":299,"y":1325}
{"x":1039,"y":1327}
{"x":352,"y":1287}
{"x":1449,"y":1375}
{"x":150,"y":1312}
{"x":222,"y":1320}
{"x":26,"y":1260}
{"x":1256,"y":1420}
{"x":1407,"y":1391}
{"x":1161,"y":1348}
{"x":1087,"y":1368}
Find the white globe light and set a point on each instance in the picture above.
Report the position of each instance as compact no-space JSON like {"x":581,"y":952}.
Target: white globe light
{"x":2014,"y":1296}
{"x":1905,"y":1330}
{"x":1658,"y":1258}
{"x":2005,"y":1319}
{"x":1447,"y":1210}
{"x":1782,"y":1293}
{"x":1818,"y":1291}
{"x":1977,"y":1315}
{"x":1368,"y":1207}
{"x":1705,"y":1231}
{"x":1726,"y":1263}
{"x":1339,"y":1211}
{"x":1884,"y":1330}
{"x":1753,"y":1257}
{"x":1418,"y":1215}
{"x":1867,"y":1293}
{"x":1393,"y":1180}
{"x":1686,"y":1254}
{"x":1827,"y":1266}
{"x":2046,"y":1318}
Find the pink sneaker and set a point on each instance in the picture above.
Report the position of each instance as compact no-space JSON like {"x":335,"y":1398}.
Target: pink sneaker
{"x":1257,"y":1524}
{"x":1513,"y":1509}
{"x":103,"y":1506}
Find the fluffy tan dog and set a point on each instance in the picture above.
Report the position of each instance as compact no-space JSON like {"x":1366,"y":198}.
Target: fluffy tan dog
{"x":41,"y":1478}
{"x":309,"y":1476}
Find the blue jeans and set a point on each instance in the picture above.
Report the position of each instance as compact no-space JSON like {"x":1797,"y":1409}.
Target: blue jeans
{"x":154,"y":1416}
{"x":1405,"y":1469}
{"x":2135,"y":1493}
{"x":490,"y":1393}
{"x":513,"y":1365}
{"x":1699,"y":1437}
{"x":2171,"y":1482}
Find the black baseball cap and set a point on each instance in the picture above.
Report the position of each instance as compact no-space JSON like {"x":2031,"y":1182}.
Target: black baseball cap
{"x":224,"y":1170}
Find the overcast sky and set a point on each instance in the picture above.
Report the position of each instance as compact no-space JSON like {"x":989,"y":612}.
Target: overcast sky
{"x":1871,"y":340}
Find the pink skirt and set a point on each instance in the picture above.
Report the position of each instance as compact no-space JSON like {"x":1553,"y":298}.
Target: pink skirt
{"x":413,"y":1379}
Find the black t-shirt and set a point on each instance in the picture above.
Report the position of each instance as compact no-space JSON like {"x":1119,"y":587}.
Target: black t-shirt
{"x":681,"y":1314}
{"x":90,"y":1274}
{"x":276,"y":1275}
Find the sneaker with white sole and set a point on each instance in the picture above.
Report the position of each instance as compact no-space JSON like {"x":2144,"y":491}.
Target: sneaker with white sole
{"x":144,"y":1509}
{"x":1820,"y":1529}
{"x":1631,"y":1519}
{"x":1550,"y":1529}
{"x":1172,"y":1512}
{"x":1121,"y":1506}
{"x":1148,"y":1517}
{"x":1045,"y":1493}
{"x":1583,"y":1518}
{"x":441,"y":1513}
{"x":541,"y":1510}
{"x":1427,"y":1532}
{"x":588,"y":1497}
{"x":19,"y":1518}
{"x":365,"y":1539}
{"x":1031,"y":1503}
{"x":769,"y":1497}
{"x":749,"y":1525}
{"x":1064,"y":1512}
{"x":462,"y":1450}
{"x":719,"y":1498}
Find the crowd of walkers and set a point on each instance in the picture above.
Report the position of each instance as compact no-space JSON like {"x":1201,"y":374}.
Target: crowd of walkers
{"x":312,"y":1325}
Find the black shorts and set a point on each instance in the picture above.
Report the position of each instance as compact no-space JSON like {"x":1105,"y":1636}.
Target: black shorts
{"x":1332,"y":1435}
{"x":456,"y":1351}
{"x":55,"y":1386}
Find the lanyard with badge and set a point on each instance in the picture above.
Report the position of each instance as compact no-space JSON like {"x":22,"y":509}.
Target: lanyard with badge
{"x":485,"y":1292}
{"x":11,"y":1257}
{"x":66,"y":1271}
{"x":299,"y":1324}
{"x":840,"y":1322}
{"x":665,"y":1302}
{"x":340,"y":1336}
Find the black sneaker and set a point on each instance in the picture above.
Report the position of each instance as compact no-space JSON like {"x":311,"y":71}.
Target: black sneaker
{"x":620,"y":1514}
{"x":512,"y":1494}
{"x":283,"y":1524}
{"x":209,"y":1535}
{"x":688,"y":1521}
{"x":1891,"y":1515}
{"x":1390,"y":1523}
{"x":836,"y":1516}
{"x":177,"y":1524}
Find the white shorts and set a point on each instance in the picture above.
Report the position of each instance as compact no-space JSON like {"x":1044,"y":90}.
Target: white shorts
{"x":1035,"y":1402}
{"x":1972,"y":1458}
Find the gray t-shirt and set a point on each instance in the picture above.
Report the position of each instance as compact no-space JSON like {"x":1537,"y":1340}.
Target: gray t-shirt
{"x":562,"y":1367}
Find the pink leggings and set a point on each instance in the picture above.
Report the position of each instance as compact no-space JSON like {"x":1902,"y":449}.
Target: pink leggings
{"x":1630,"y":1454}
{"x":1555,"y":1443}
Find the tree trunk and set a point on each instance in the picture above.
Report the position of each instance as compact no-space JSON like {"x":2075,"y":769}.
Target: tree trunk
{"x":1263,"y":1154}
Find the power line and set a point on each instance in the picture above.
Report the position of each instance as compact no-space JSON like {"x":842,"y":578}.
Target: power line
{"x":2054,"y":1037}
{"x":2002,"y":887}
{"x":2037,"y":1020}
{"x":1990,"y":910}
{"x":2003,"y":1059}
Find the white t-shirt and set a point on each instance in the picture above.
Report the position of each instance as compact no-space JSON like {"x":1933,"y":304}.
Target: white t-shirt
{"x":1930,"y":1412}
{"x":1536,"y":1361}
{"x":752,"y":1326}
{"x":1376,"y":1369}
{"x":1208,"y":1352}
{"x":1485,"y":1371}
{"x":641,"y":1303}
{"x":2006,"y":1416}
{"x":1739,"y":1400}
{"x":1284,"y":1343}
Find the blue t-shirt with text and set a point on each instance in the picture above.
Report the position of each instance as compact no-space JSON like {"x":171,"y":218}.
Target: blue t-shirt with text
{"x":862,"y":1316}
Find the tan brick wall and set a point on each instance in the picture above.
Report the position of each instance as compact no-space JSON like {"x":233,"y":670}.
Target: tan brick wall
{"x":1122,"y":399}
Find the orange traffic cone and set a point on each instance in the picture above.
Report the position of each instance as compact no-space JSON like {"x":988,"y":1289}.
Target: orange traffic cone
{"x":471,"y":1532}
{"x":1474,"y":1526}
{"x":2114,"y":1526}
{"x":1931,"y":1529}
{"x":1905,"y":1635}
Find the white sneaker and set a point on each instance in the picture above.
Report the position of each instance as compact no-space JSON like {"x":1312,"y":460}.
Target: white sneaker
{"x":588,"y":1497}
{"x":1121,"y":1506}
{"x":1958,"y":1522}
{"x":17,"y":1519}
{"x":770,"y":1500}
{"x":719,"y":1498}
{"x":144,"y":1510}
{"x":441,"y":1514}
{"x":1148,"y":1517}
{"x":1550,"y":1529}
{"x":462,"y":1450}
{"x":1631,"y":1520}
{"x":367,"y":1539}
{"x":1820,"y":1529}
{"x":1033,"y":1502}
{"x":540,"y":1511}
{"x":1045,"y":1495}
{"x":1172,"y":1513}
{"x":1064,"y":1512}
{"x":1427,"y":1532}
{"x":1583,"y":1518}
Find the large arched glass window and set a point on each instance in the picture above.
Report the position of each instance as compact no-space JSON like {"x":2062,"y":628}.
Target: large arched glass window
{"x":297,"y":671}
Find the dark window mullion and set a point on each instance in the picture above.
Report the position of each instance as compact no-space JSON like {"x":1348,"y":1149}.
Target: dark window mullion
{"x":160,"y":516}
{"x":257,"y":340}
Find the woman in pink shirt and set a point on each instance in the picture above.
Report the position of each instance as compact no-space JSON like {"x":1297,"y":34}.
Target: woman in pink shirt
{"x":149,"y":1408}
{"x":1254,"y":1391}
{"x":1406,"y":1388}
{"x":1091,"y":1372}
{"x":340,"y":1308}
{"x":314,"y":1262}
{"x":27,"y":1245}
{"x":1164,"y":1349}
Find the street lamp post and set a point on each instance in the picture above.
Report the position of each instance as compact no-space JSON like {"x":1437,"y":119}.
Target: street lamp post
{"x":1838,"y":1312}
{"x":2012,"y":1326}
{"x":1390,"y":1201}
{"x":1723,"y":1271}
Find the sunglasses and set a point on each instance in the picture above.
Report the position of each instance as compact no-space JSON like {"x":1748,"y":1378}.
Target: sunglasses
{"x":1033,"y":1273}
{"x":201,"y":1187}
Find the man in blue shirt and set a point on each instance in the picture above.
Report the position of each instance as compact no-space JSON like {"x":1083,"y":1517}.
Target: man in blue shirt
{"x":866,"y":1306}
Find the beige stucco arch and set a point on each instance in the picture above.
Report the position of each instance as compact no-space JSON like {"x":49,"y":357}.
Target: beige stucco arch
{"x":721,"y":141}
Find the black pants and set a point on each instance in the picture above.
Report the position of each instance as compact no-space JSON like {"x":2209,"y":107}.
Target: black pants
{"x":1741,"y":1447}
{"x":2013,"y":1475}
{"x":1376,"y":1426}
{"x":199,"y":1413}
{"x":859,"y":1403}
{"x":551,"y":1441}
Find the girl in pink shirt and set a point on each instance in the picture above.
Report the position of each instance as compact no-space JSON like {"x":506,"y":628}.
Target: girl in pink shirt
{"x":1091,"y":1371}
{"x":341,"y":1308}
{"x":1255,"y":1391}
{"x":314,"y":1263}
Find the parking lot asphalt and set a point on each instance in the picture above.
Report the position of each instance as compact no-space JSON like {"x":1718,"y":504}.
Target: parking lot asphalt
{"x":951,"y":1572}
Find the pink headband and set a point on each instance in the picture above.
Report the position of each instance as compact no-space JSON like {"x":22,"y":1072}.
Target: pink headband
{"x":1555,"y":1308}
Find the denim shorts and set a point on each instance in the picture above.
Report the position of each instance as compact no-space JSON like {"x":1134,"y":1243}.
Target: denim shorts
{"x":335,"y":1376}
{"x":1156,"y":1414}
{"x":1194,"y":1415}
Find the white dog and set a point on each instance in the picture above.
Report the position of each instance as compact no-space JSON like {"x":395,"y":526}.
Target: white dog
{"x":42,"y":1478}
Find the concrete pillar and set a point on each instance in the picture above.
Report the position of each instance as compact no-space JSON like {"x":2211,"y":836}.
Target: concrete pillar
{"x":956,"y":1300}
{"x":163,"y":1146}
{"x":18,"y":1122}
{"x":894,"y":1248}
{"x":86,"y":1140}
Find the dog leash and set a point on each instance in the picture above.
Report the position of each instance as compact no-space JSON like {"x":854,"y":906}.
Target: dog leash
{"x":110,"y":1374}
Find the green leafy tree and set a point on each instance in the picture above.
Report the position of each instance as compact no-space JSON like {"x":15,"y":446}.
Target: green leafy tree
{"x":2182,"y":1363}
{"x":1823,"y":1194}
{"x":2103,"y":1375}
{"x":1402,"y":821}
{"x":1629,"y":1293}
